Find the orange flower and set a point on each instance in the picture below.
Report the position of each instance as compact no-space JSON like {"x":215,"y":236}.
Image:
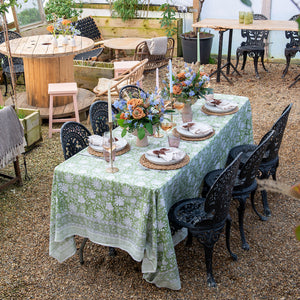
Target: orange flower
{"x":134,"y":102}
{"x":177,"y":90}
{"x":203,"y":73}
{"x":122,"y":116}
{"x":181,"y":76}
{"x":50,"y":28}
{"x":138,"y":113}
{"x":65,"y":22}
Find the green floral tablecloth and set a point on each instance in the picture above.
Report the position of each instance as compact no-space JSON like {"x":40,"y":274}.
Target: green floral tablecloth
{"x":129,"y":209}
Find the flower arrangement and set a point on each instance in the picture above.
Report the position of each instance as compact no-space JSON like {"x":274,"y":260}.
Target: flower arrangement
{"x":63,"y":27}
{"x":188,"y":84}
{"x":139,"y":114}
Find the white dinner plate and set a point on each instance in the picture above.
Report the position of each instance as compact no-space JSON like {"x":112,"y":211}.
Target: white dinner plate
{"x":187,"y":133}
{"x":218,"y":110}
{"x":160,"y":161}
{"x":121,"y":144}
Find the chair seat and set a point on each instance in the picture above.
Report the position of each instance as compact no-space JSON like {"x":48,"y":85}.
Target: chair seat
{"x":89,"y":55}
{"x":17,"y":69}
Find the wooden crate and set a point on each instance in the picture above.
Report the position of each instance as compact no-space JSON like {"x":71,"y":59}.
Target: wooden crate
{"x":32,"y":126}
{"x":86,"y":73}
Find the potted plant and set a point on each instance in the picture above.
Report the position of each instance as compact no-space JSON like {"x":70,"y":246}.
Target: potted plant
{"x":189,"y":43}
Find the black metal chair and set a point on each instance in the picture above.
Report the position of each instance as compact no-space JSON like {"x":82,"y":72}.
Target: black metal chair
{"x":270,"y":161}
{"x":254,"y":46}
{"x":205,"y":218}
{"x":131,"y":91}
{"x":292,"y":47}
{"x":99,"y":116}
{"x":74,"y":138}
{"x":17,"y":61}
{"x":245,"y":184}
{"x":88,"y":28}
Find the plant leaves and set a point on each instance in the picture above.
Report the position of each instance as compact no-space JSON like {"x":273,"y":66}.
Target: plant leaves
{"x":247,"y":2}
{"x":149,"y":127}
{"x":141,"y":133}
{"x":124,"y":131}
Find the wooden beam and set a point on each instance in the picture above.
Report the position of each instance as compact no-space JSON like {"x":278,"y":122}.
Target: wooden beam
{"x":266,"y":10}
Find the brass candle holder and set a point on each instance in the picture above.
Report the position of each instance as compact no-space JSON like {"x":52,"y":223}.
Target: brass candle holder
{"x":111,"y":169}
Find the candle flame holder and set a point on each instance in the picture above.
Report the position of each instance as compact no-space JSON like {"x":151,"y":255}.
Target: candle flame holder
{"x":111,"y":169}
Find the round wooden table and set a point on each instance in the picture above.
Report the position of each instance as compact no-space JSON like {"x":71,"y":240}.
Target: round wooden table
{"x":45,"y":64}
{"x":122,"y":44}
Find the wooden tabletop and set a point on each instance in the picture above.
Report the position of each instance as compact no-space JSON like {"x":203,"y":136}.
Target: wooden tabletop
{"x":123,"y":43}
{"x":224,"y":24}
{"x":40,"y":46}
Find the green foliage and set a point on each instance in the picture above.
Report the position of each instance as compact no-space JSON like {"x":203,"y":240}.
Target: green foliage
{"x":29,"y":16}
{"x":168,"y":16}
{"x":247,"y":2}
{"x":65,"y":9}
{"x":6,"y":4}
{"x":125,"y":9}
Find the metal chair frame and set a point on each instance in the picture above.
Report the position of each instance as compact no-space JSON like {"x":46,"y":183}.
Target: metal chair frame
{"x":254,"y":46}
{"x":205,"y":218}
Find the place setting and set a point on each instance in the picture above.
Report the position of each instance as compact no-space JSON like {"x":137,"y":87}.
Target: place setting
{"x":194,"y":131}
{"x":218,"y":107}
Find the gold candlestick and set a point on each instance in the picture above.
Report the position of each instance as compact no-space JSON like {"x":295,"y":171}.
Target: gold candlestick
{"x":111,"y":169}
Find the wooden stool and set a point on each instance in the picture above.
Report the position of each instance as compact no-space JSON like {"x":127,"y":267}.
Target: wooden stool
{"x":122,"y":66}
{"x":62,"y":89}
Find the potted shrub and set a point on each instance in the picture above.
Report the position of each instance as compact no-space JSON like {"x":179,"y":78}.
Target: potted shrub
{"x":189,"y":43}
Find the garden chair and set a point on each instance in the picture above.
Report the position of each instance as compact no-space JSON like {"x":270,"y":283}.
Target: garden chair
{"x":88,"y":28}
{"x":245,"y":184}
{"x":292,"y":47}
{"x":270,"y":161}
{"x":99,"y":116}
{"x":131,"y":91}
{"x":154,"y":61}
{"x":205,"y":218}
{"x":74,"y":138}
{"x":17,"y":61}
{"x":254,"y":46}
{"x":131,"y":77}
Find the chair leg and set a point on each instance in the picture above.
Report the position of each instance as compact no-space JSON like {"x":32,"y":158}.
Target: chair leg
{"x":208,"y":261}
{"x":241,"y":213}
{"x":228,"y":227}
{"x":255,"y":65}
{"x":237,"y":61}
{"x":189,"y":240}
{"x":244,"y":60}
{"x":112,"y":252}
{"x":5,"y":82}
{"x":263,"y":218}
{"x":262,"y":61}
{"x":80,"y":253}
{"x":288,"y":60}
{"x":264,"y":197}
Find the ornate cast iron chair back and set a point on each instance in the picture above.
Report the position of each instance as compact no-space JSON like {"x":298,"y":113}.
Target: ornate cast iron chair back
{"x":131,"y":91}
{"x":74,"y":138}
{"x":99,"y":116}
{"x":17,"y":61}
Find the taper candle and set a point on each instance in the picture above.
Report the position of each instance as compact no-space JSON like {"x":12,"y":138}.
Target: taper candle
{"x":157,"y":79}
{"x":198,"y":46}
{"x":109,"y":104}
{"x":170,"y":73}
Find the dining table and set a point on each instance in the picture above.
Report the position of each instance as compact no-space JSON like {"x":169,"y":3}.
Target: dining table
{"x":129,"y":209}
{"x":223,"y":25}
{"x":45,"y":63}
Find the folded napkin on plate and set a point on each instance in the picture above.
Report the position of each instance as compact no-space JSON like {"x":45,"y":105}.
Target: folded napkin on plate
{"x":166,"y":154}
{"x":220,"y":104}
{"x":96,"y":140}
{"x":198,"y":128}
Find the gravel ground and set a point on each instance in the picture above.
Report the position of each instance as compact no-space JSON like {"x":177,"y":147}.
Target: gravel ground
{"x":270,"y":270}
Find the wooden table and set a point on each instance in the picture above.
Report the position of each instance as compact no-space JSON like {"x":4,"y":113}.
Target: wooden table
{"x":223,"y":25}
{"x":45,"y":64}
{"x":122,"y":44}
